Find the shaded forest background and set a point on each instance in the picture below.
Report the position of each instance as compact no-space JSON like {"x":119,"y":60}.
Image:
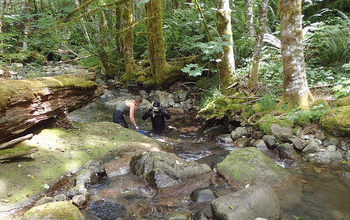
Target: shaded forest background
{"x":110,"y":38}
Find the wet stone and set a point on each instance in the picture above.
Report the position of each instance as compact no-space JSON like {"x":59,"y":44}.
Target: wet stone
{"x":239,"y":132}
{"x":270,"y":140}
{"x":241,"y":142}
{"x":225,"y":138}
{"x":107,"y":210}
{"x":179,"y":216}
{"x":200,"y":216}
{"x":44,"y":200}
{"x":312,"y":147}
{"x":60,"y":197}
{"x":79,"y":200}
{"x":330,"y":141}
{"x":202,"y":195}
{"x":331,"y":148}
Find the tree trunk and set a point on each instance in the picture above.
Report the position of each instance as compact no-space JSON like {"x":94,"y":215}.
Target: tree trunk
{"x":128,"y":50}
{"x":259,"y":42}
{"x":28,"y":8}
{"x":25,"y":103}
{"x":250,"y":18}
{"x":155,"y":40}
{"x":4,"y":7}
{"x":296,"y":90}
{"x":226,"y":66}
{"x":86,"y":34}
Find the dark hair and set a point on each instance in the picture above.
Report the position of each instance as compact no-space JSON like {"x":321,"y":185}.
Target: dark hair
{"x":138,"y":99}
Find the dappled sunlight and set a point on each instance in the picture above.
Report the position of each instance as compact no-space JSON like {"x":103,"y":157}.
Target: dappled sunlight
{"x":148,"y":146}
{"x":2,"y":186}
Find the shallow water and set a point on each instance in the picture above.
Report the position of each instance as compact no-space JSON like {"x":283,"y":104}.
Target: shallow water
{"x":325,"y":193}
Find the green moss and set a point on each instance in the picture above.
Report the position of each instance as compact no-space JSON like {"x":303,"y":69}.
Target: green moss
{"x":319,"y":102}
{"x":336,"y":121}
{"x":29,"y":88}
{"x":56,"y":210}
{"x":267,"y":120}
{"x":345,"y":101}
{"x":19,"y":150}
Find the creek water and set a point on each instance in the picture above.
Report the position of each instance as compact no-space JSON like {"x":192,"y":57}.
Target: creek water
{"x":325,"y":192}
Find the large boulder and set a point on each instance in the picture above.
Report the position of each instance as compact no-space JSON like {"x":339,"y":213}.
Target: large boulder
{"x":163,"y":169}
{"x":337,"y":121}
{"x":250,"y":166}
{"x":280,"y":131}
{"x":165,"y":98}
{"x":250,"y":203}
{"x":54,"y":211}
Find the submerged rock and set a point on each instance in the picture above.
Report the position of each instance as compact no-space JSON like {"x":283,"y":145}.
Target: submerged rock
{"x":179,"y":216}
{"x":164,"y":169}
{"x":250,"y":203}
{"x":325,"y":157}
{"x":107,"y":210}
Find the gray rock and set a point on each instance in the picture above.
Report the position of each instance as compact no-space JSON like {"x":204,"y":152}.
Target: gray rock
{"x":179,"y":216}
{"x":331,"y":141}
{"x":202,"y":195}
{"x":312,"y":147}
{"x":286,"y":150}
{"x":60,"y":197}
{"x":281,"y":132}
{"x":144,"y":94}
{"x":298,"y":143}
{"x":270,"y":140}
{"x":325,"y":157}
{"x":163,"y":169}
{"x":225,"y":138}
{"x":331,"y":148}
{"x":77,"y":190}
{"x":250,"y":203}
{"x":260,"y":144}
{"x":107,"y":95}
{"x":343,"y":146}
{"x":241,"y":142}
{"x":44,"y":200}
{"x":347,"y":156}
{"x":181,"y":95}
{"x":239,"y":132}
{"x":165,"y":98}
{"x":200,"y":216}
{"x":79,"y":200}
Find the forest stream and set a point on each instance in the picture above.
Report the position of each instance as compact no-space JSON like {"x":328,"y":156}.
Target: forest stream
{"x":325,"y":194}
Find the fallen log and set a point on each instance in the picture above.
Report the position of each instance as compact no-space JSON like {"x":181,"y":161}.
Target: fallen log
{"x":16,"y":152}
{"x":15,"y":141}
{"x":25,"y":103}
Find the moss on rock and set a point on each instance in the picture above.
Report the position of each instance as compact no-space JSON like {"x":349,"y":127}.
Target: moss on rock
{"x":345,"y":101}
{"x":250,"y":166}
{"x":55,"y":210}
{"x":336,"y":121}
{"x":265,"y":122}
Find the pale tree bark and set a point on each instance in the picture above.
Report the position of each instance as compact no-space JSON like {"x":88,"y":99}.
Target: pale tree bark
{"x":226,"y":66}
{"x":259,"y":42}
{"x":86,"y":33}
{"x":250,"y":18}
{"x":128,"y":50}
{"x":4,"y":7}
{"x":296,"y":89}
{"x":28,"y":9}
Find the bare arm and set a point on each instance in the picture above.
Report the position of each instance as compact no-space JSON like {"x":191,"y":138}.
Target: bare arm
{"x":132,"y":115}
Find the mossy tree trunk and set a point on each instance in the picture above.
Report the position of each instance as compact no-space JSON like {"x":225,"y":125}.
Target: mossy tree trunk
{"x":296,"y":89}
{"x":128,"y":50}
{"x":226,"y":66}
{"x":250,"y":18}
{"x":259,"y":42}
{"x":86,"y":34}
{"x":162,"y":72}
{"x":26,"y":30}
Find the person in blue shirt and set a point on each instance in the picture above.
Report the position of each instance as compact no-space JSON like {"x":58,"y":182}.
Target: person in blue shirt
{"x":157,"y":113}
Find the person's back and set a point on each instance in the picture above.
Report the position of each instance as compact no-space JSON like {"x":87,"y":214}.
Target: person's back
{"x":126,"y":106}
{"x":157,"y":114}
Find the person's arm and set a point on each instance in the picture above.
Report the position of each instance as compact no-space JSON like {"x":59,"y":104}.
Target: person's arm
{"x":132,"y":117}
{"x":147,"y":113}
{"x":165,"y":112}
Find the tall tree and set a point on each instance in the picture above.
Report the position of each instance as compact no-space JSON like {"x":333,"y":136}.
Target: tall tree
{"x":128,"y":50}
{"x":250,"y":18}
{"x":28,"y":5}
{"x":163,"y":73}
{"x":259,"y":42}
{"x":4,"y":7}
{"x":226,"y":66}
{"x":296,"y":89}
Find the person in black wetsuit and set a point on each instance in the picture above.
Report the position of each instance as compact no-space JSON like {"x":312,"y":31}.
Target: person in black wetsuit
{"x":157,"y":114}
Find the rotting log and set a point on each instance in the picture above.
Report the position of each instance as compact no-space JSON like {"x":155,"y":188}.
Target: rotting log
{"x":25,"y":103}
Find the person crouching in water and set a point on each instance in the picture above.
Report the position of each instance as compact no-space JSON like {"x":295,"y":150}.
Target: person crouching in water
{"x":157,"y":114}
{"x":122,"y":109}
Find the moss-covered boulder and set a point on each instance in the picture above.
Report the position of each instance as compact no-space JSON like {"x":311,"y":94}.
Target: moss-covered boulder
{"x":345,"y":101}
{"x":336,"y":121}
{"x":55,"y":210}
{"x":250,"y":166}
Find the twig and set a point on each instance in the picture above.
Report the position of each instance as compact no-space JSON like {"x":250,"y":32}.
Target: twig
{"x":15,"y":141}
